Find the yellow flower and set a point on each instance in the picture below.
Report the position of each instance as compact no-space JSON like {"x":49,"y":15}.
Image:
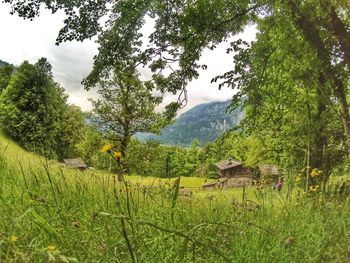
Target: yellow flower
{"x":51,"y":247}
{"x":315,"y":172}
{"x":298,"y":179}
{"x":106,"y":148}
{"x":313,"y":188}
{"x":13,"y":238}
{"x":117,"y":155}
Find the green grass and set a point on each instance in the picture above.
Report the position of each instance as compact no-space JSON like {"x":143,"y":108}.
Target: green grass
{"x":49,"y":213}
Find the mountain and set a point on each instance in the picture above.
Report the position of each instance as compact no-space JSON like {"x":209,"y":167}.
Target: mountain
{"x":4,"y":63}
{"x":204,"y":122}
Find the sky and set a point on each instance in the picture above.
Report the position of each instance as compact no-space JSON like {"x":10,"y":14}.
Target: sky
{"x":22,"y":40}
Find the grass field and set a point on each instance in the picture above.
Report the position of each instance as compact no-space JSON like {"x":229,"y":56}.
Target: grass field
{"x":52,"y":214}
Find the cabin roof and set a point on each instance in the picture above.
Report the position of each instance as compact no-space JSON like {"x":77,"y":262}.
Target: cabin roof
{"x":227,"y":164}
{"x":74,"y":163}
{"x":209,"y":184}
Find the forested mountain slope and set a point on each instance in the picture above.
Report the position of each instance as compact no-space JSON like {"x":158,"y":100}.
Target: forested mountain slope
{"x":204,"y":122}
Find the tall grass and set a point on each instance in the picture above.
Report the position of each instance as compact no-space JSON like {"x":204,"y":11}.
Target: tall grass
{"x":49,"y":213}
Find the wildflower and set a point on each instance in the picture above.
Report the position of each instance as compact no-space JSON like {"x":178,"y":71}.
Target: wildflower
{"x":51,"y":248}
{"x":106,"y":148}
{"x":13,"y":238}
{"x":298,"y":179}
{"x":313,"y":188}
{"x":315,"y":172}
{"x":117,"y":155}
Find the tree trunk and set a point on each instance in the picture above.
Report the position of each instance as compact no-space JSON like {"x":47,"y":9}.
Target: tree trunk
{"x":344,"y":109}
{"x":335,"y":25}
{"x":125,"y":140}
{"x":312,"y":35}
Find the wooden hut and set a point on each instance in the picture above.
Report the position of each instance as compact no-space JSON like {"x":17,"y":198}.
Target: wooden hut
{"x":75,"y":164}
{"x":269,"y":173}
{"x":209,"y":186}
{"x":233,"y":174}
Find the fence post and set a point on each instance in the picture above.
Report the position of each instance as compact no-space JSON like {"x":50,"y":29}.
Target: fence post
{"x":243,"y":195}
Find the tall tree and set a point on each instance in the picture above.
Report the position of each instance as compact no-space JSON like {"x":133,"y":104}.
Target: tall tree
{"x":31,"y":108}
{"x":5,"y":76}
{"x":290,"y":104}
{"x":126,"y":106}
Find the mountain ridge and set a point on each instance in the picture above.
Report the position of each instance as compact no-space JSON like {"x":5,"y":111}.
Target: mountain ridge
{"x":204,"y":122}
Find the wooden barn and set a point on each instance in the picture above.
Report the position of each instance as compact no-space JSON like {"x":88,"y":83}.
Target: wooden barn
{"x":269,"y":173}
{"x":75,"y":164}
{"x":233,"y":174}
{"x":210,"y":186}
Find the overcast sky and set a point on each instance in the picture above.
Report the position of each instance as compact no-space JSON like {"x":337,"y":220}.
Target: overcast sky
{"x":71,"y":61}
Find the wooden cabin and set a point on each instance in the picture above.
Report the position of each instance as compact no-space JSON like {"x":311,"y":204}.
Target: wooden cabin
{"x":210,"y":186}
{"x":269,"y":173}
{"x":233,"y":174}
{"x":75,"y":164}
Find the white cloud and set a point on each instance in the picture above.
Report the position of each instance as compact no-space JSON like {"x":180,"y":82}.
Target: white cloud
{"x":30,"y":40}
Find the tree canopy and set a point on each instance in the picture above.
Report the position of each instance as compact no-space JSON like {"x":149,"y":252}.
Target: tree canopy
{"x":33,"y":111}
{"x":126,"y":106}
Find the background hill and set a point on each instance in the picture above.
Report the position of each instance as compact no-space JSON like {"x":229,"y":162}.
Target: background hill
{"x":4,"y":63}
{"x":204,"y":122}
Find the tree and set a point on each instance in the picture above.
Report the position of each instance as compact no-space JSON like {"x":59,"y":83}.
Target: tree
{"x":5,"y":76}
{"x":31,"y":108}
{"x":72,"y":129}
{"x":127,"y":106}
{"x":289,"y":102}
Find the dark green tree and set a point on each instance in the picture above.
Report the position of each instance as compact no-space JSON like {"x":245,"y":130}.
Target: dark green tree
{"x":32,"y":107}
{"x":6,"y":72}
{"x":291,"y":106}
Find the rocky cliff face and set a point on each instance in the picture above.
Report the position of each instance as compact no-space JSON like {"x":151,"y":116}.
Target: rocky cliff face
{"x":204,"y":122}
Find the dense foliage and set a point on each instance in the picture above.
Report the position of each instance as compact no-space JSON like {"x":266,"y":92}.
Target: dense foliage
{"x":126,"y":106}
{"x":6,"y":71}
{"x":34,"y":112}
{"x":289,"y":104}
{"x":144,"y":158}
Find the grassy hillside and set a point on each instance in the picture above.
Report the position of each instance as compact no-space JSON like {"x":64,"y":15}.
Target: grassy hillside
{"x":53,"y":214}
{"x":18,"y":157}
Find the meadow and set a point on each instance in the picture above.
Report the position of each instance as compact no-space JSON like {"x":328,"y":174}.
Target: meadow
{"x":49,"y":213}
